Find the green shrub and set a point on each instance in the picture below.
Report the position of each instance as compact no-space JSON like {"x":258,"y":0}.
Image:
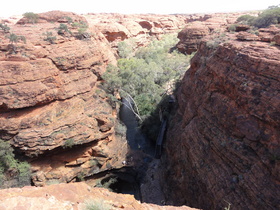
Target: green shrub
{"x":8,"y":162}
{"x":246,"y":19}
{"x":266,"y":18}
{"x":81,"y":26}
{"x":49,"y":37}
{"x":31,"y":17}
{"x":4,"y":27}
{"x":120,"y":129}
{"x":69,"y":19}
{"x":69,"y":143}
{"x":63,"y":29}
{"x":15,"y":38}
{"x":97,"y":204}
{"x":232,"y":28}
{"x":126,"y":49}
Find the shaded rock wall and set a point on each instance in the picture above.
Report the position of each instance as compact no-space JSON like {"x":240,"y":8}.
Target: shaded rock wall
{"x":223,"y":142}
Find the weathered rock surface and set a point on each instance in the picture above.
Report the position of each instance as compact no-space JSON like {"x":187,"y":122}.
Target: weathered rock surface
{"x":118,"y":27}
{"x":194,"y":32}
{"x":191,"y":36}
{"x":50,"y":100}
{"x":223,"y":142}
{"x":70,"y":196}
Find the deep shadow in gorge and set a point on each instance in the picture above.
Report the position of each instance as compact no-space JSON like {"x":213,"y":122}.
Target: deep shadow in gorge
{"x":135,"y":138}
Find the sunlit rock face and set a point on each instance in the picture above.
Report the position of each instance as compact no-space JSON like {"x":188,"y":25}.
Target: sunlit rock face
{"x":72,"y":196}
{"x":52,"y":109}
{"x":222,"y":144}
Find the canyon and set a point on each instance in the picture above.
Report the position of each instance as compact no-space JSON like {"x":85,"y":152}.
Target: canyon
{"x":222,"y":142}
{"x":222,"y":145}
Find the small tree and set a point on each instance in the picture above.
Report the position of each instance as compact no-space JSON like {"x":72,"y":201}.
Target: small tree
{"x":31,"y":17}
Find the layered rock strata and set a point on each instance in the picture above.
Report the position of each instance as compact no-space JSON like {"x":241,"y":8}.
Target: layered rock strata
{"x":223,"y":142}
{"x":51,"y":101}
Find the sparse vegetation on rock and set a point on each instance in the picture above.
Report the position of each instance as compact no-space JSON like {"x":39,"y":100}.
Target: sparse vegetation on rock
{"x":266,"y":18}
{"x":31,"y":17}
{"x":63,"y":30}
{"x":97,"y":204}
{"x":11,"y":168}
{"x":13,"y":38}
{"x":49,"y":37}
{"x":4,"y":27}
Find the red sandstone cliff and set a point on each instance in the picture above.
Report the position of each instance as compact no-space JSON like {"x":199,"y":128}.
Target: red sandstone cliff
{"x":223,"y":143}
{"x":50,"y":96}
{"x":50,"y":99}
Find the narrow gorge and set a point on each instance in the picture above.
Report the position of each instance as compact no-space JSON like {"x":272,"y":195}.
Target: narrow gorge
{"x":79,"y":136}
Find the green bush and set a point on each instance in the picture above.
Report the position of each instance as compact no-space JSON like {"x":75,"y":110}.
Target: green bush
{"x":69,"y":143}
{"x":69,"y":19}
{"x":97,"y":204}
{"x":8,"y":162}
{"x":266,"y":18}
{"x":63,"y":29}
{"x":4,"y":27}
{"x":126,"y":49}
{"x":15,"y":38}
{"x":246,"y":19}
{"x":146,"y":77}
{"x":232,"y":28}
{"x":49,"y":37}
{"x":31,"y":17}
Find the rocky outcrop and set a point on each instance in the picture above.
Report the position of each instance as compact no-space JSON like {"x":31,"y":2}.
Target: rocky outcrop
{"x":190,"y":37}
{"x":54,"y":16}
{"x":142,"y":28}
{"x":52,"y":109}
{"x":223,"y":143}
{"x":51,"y":102}
{"x":192,"y":34}
{"x":76,"y":196}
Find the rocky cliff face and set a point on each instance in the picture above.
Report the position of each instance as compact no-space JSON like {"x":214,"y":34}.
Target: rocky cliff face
{"x":51,"y":101}
{"x":223,"y":141}
{"x":192,"y":34}
{"x":140,"y":28}
{"x":52,"y":109}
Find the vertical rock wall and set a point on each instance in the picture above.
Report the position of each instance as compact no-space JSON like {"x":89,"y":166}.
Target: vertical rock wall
{"x":223,"y":143}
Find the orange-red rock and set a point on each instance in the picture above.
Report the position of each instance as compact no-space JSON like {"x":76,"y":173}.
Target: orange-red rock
{"x":223,"y":142}
{"x":190,"y":37}
{"x":50,"y":99}
{"x":71,"y":196}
